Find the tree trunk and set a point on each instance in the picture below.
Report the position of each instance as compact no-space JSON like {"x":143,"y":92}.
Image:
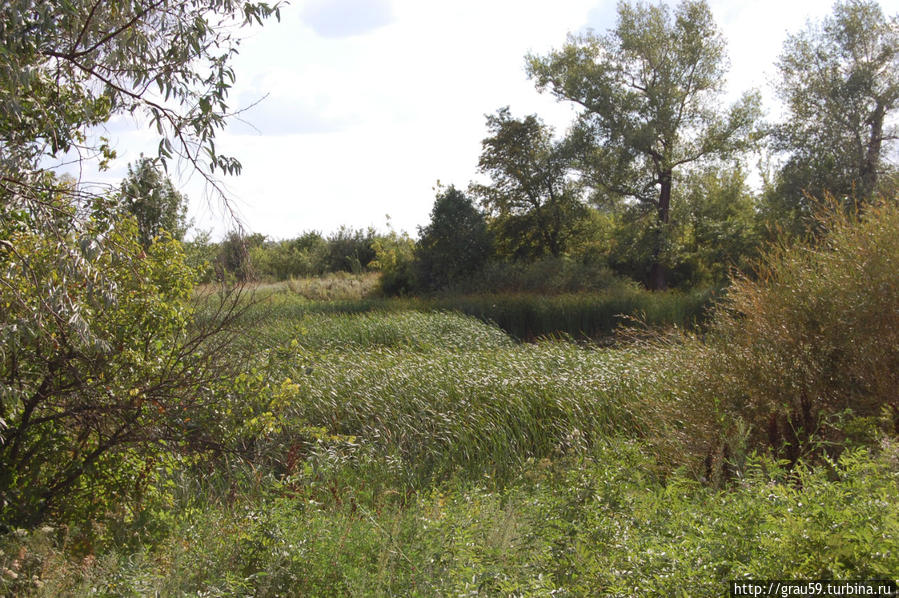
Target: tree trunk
{"x":658,"y":279}
{"x":872,"y":155}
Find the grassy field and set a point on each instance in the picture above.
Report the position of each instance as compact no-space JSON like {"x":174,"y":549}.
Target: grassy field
{"x":430,"y":454}
{"x":400,"y":448}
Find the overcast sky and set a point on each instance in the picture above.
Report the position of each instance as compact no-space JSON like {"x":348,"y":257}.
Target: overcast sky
{"x":371,"y":102}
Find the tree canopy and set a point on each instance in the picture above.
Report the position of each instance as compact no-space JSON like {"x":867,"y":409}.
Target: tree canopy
{"x":650,"y":90}
{"x":839,"y":80}
{"x":534,"y":197}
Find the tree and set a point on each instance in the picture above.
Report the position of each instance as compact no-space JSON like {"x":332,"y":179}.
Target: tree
{"x":154,"y":202}
{"x":234,"y":256}
{"x":101,"y":368}
{"x":101,"y":357}
{"x":650,"y":91}
{"x":69,"y":65}
{"x":454,"y":244}
{"x":839,"y":80}
{"x":717,"y":228}
{"x":534,"y":199}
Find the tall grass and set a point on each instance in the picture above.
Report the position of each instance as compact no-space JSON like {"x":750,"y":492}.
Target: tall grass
{"x":600,"y":525}
{"x":582,"y":315}
{"x":525,"y":316}
{"x":476,"y":412}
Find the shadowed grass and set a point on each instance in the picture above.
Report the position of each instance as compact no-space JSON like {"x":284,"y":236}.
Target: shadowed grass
{"x":525,"y":316}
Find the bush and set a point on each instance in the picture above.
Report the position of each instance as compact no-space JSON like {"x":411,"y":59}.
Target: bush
{"x":349,"y":250}
{"x":394,"y":255}
{"x":102,"y":362}
{"x":805,"y":359}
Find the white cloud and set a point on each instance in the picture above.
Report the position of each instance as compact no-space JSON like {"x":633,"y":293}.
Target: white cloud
{"x":345,"y":18}
{"x":370,"y":104}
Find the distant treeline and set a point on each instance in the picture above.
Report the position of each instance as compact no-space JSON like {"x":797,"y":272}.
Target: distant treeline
{"x":256,"y":258}
{"x":716,"y":228}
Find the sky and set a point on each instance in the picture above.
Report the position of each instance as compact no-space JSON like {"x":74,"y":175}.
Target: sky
{"x":359,"y":107}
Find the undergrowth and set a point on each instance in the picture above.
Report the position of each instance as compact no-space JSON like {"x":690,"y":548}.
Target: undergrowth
{"x":389,"y":448}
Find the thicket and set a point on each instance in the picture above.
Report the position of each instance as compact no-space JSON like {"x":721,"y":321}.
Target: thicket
{"x":813,"y":342}
{"x":404,"y":452}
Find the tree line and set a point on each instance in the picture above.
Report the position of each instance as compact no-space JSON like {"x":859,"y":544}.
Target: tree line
{"x":651,"y":179}
{"x":652,"y":172}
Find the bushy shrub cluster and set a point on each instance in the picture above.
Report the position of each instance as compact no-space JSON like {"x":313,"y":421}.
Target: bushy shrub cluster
{"x":253,"y":257}
{"x":604,"y":524}
{"x":803,"y":360}
{"x":816,"y":339}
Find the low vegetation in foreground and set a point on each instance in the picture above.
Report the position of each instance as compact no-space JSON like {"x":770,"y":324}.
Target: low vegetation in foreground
{"x":433,"y":416}
{"x":414,"y":452}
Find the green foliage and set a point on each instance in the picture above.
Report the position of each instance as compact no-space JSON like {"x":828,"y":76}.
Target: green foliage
{"x":350,"y":250}
{"x":102,"y":362}
{"x":292,"y":258}
{"x":717,"y":230}
{"x":150,"y":197}
{"x":604,"y":524}
{"x":650,"y":90}
{"x":448,"y":395}
{"x":586,"y":315}
{"x":373,"y":446}
{"x":394,"y":258}
{"x":100,"y":366}
{"x":454,"y":245}
{"x":338,"y":286}
{"x":200,"y":254}
{"x":409,"y":330}
{"x":713,"y":231}
{"x":839,"y":81}
{"x":534,"y":202}
{"x":814,"y":338}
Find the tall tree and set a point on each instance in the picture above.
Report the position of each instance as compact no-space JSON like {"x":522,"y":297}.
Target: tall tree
{"x":650,"y":90}
{"x":454,"y":244}
{"x":839,"y":80}
{"x":154,"y":202}
{"x":534,"y":199}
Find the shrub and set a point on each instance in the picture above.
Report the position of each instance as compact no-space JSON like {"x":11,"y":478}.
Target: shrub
{"x":806,"y":357}
{"x":102,"y":362}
